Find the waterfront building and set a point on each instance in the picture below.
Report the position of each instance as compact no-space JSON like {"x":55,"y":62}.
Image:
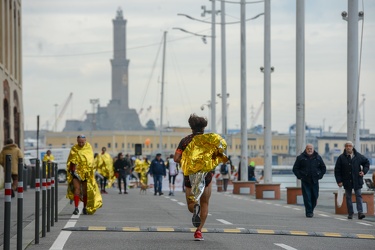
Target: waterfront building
{"x":11,"y":105}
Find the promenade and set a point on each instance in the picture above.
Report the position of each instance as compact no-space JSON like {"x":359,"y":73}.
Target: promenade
{"x":145,"y":221}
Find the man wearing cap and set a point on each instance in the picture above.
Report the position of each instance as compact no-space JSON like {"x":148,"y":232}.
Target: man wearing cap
{"x":350,"y":168}
{"x":157,"y":171}
{"x":309,"y":168}
{"x":251,"y":172}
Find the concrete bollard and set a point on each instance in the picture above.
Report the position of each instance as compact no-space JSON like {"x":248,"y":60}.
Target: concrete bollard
{"x":7,"y":201}
{"x":20,"y":203}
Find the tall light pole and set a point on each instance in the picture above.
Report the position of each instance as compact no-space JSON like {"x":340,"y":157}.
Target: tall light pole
{"x":224,"y":95}
{"x":213,"y":62}
{"x":300,"y":79}
{"x":244,"y":150}
{"x":353,"y":16}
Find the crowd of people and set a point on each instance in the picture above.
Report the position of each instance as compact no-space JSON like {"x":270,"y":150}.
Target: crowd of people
{"x":197,"y":156}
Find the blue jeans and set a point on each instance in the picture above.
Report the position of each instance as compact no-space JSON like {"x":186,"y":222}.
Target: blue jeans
{"x":358,"y":198}
{"x":310,"y":192}
{"x":158,"y":180}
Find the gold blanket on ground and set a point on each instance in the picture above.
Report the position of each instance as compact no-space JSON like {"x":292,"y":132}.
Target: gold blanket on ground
{"x":142,"y":168}
{"x":83,"y":158}
{"x":203,"y":154}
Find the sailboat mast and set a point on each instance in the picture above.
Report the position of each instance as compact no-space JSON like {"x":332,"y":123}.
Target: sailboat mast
{"x":162,"y":95}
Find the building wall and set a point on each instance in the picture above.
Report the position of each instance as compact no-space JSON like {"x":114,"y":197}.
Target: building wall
{"x":124,"y":141}
{"x":11,"y":105}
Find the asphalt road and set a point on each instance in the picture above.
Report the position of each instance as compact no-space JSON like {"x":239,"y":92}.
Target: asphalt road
{"x":145,"y":221}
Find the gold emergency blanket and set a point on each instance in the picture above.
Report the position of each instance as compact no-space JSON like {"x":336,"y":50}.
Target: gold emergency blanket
{"x":203,"y":154}
{"x":104,"y":165}
{"x":83,"y":158}
{"x":142,"y":167}
{"x":48,"y":159}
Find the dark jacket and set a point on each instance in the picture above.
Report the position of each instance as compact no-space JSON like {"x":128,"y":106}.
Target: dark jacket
{"x":122,"y":165}
{"x":347,"y":170}
{"x":157,"y":167}
{"x":309,"y":169}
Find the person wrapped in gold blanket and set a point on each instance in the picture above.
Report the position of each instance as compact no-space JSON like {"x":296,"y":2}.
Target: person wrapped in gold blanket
{"x":81,"y":177}
{"x":198,"y":155}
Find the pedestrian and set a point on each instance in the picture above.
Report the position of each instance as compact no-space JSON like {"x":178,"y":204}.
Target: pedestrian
{"x":157,"y":171}
{"x":81,"y":178}
{"x":142,"y":168}
{"x":251,"y":172}
{"x":350,"y":168}
{"x":104,"y":167}
{"x":48,"y":158}
{"x":12,"y":149}
{"x":226,"y":173}
{"x":198,"y":154}
{"x":172,"y":167}
{"x":122,"y":165}
{"x":309,"y":168}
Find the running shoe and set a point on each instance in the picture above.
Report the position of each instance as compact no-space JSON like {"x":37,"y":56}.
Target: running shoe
{"x":198,"y":235}
{"x":76,"y":211}
{"x":196,"y":219}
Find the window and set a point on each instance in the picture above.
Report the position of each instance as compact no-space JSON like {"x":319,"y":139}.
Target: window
{"x":95,"y":145}
{"x":115,"y":144}
{"x":109,"y":145}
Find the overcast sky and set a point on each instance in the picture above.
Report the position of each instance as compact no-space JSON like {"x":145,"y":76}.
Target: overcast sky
{"x":67,"y":47}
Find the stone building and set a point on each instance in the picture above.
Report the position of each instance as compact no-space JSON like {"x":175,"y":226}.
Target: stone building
{"x":11,"y":105}
{"x":117,"y":115}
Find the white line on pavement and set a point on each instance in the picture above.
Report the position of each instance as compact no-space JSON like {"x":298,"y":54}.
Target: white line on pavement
{"x":324,"y":215}
{"x":173,"y":200}
{"x":341,"y":219}
{"x":181,"y":203}
{"x":285,"y":246}
{"x":224,"y":222}
{"x":296,"y":208}
{"x":64,"y":235}
{"x":363,"y":223}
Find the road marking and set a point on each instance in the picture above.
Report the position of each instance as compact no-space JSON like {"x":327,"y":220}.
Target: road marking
{"x":224,"y":222}
{"x":296,"y":208}
{"x":64,"y":235}
{"x":341,"y":219}
{"x":324,"y":215}
{"x":173,"y":200}
{"x":277,"y":205}
{"x":285,"y":246}
{"x":363,"y":223}
{"x":181,"y":203}
{"x":287,"y":206}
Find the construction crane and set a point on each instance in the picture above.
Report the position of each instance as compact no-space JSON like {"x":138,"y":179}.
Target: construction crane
{"x":345,"y":123}
{"x":255,"y":118}
{"x":62,"y":111}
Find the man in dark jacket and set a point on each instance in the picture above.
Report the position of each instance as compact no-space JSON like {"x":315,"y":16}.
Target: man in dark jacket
{"x":350,"y":168}
{"x":158,"y":170}
{"x":309,"y":168}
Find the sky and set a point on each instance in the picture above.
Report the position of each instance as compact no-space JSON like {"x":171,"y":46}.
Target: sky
{"x":68,"y":44}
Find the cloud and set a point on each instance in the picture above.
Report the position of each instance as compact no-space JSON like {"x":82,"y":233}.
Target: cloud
{"x":67,"y":47}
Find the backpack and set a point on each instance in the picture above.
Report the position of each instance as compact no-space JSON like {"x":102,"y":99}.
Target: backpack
{"x":224,"y":169}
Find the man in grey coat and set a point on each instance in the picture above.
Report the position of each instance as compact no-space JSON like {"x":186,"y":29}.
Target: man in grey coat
{"x":350,"y":168}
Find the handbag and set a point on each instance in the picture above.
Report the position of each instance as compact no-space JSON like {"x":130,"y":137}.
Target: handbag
{"x":340,"y":197}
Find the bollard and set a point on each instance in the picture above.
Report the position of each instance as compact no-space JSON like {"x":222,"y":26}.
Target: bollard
{"x":52,"y":194}
{"x":44,"y":196}
{"x":32,"y":179}
{"x":25,"y":172}
{"x":8,"y":201}
{"x":37,"y":199}
{"x":48,"y":196}
{"x":20,"y":204}
{"x":56,"y":193}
